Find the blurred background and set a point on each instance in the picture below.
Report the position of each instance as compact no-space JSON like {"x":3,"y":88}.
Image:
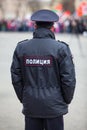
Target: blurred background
{"x":15,"y":26}
{"x":15,"y":15}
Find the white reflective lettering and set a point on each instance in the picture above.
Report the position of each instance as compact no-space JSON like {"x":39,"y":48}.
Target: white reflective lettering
{"x":48,"y":62}
{"x":37,"y":61}
{"x":27,"y":61}
{"x":34,"y":61}
{"x":45,"y":62}
{"x":30,"y":61}
{"x":41,"y":62}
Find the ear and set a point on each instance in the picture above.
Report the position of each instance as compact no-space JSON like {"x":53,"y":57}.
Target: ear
{"x":52,"y":29}
{"x":35,"y":26}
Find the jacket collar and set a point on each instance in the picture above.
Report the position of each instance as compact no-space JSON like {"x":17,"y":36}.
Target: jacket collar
{"x":43,"y":33}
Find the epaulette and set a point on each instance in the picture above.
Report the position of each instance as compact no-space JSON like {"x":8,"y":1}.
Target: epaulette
{"x":23,"y":41}
{"x":63,"y":42}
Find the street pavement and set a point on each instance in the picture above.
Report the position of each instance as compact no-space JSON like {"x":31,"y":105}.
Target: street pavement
{"x":11,"y":117}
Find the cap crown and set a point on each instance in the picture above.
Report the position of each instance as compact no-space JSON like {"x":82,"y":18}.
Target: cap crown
{"x":45,"y":16}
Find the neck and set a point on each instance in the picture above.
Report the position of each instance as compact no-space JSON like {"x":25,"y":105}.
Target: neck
{"x":43,"y":33}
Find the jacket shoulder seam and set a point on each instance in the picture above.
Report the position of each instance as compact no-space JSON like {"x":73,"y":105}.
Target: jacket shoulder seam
{"x":63,"y":42}
{"x":23,"y":41}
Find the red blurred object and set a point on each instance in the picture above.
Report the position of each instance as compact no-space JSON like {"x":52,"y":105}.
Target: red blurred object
{"x":83,"y":3}
{"x":82,"y":9}
{"x":59,"y":7}
{"x":79,"y":11}
{"x":67,"y":13}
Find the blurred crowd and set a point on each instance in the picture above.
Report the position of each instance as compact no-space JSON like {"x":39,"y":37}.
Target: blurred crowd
{"x":67,"y":26}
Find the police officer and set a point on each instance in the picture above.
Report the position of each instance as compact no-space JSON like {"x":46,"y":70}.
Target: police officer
{"x":43,"y":75}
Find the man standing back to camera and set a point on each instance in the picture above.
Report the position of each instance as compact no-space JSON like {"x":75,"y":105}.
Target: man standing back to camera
{"x":43,"y":75}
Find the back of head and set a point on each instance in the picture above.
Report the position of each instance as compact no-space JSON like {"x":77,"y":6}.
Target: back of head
{"x":44,"y":24}
{"x":44,"y":18}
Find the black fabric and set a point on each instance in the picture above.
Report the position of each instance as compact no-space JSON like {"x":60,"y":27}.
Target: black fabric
{"x":44,"y":124}
{"x":43,"y":75}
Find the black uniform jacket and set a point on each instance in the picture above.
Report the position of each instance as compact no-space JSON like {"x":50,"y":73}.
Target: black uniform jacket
{"x":43,"y":75}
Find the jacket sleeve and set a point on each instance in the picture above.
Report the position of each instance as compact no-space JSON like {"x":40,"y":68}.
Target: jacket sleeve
{"x":67,"y":74}
{"x":16,"y":75}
